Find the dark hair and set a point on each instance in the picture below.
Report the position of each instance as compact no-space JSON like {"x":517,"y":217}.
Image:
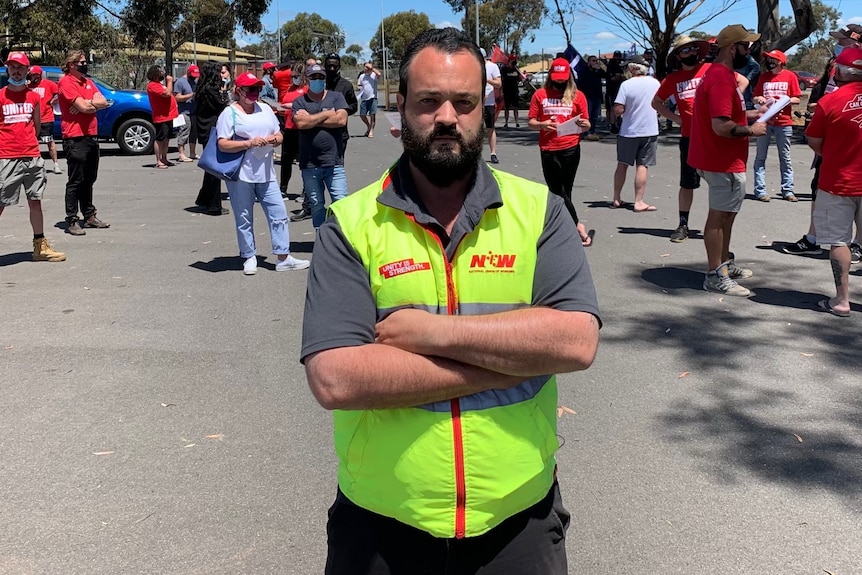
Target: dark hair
{"x":210,"y":79}
{"x":332,"y":56}
{"x":446,"y":40}
{"x":154,"y":73}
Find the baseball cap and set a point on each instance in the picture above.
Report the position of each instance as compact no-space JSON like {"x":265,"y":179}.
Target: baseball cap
{"x":733,"y":34}
{"x":247,"y":80}
{"x":618,"y":54}
{"x":36,"y":71}
{"x":777,"y":55}
{"x":851,"y":57}
{"x":267,"y":66}
{"x":19,"y":57}
{"x":560,"y":70}
{"x":637,"y":59}
{"x":194,"y":71}
{"x":848,"y":32}
{"x":315,"y":69}
{"x":332,"y":56}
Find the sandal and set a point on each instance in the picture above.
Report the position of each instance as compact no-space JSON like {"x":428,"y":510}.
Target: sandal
{"x":619,"y":204}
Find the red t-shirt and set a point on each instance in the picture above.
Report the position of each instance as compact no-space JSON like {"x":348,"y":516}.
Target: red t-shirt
{"x":17,"y":126}
{"x":547,"y":105}
{"x":79,"y":124}
{"x":46,"y":90}
{"x":682,"y":85}
{"x":287,"y":98}
{"x":281,"y":81}
{"x":717,"y":96}
{"x":838,"y":120}
{"x":771,"y":85}
{"x":164,"y":107}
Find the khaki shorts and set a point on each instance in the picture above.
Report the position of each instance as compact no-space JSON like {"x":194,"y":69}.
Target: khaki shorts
{"x":834,"y":217}
{"x":726,"y":190}
{"x":28,"y":173}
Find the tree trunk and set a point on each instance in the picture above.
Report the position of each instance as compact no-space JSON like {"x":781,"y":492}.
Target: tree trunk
{"x":768,"y":24}
{"x":169,"y":48}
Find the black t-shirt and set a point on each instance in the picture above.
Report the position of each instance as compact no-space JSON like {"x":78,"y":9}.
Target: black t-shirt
{"x":511,"y":78}
{"x":321,"y":147}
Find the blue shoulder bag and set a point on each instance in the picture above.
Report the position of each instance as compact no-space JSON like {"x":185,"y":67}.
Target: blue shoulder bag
{"x":223,"y":165}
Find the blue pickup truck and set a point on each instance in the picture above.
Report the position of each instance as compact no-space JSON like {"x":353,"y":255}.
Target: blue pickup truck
{"x":127,"y":121}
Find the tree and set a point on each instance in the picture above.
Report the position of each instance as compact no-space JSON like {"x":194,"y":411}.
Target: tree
{"x":655,"y":26}
{"x":266,"y":47}
{"x":354,"y":50}
{"x":813,"y":53}
{"x":400,"y":29}
{"x":769,"y":24}
{"x":51,"y":26}
{"x":564,"y":15}
{"x":310,"y":35}
{"x":505,"y":22}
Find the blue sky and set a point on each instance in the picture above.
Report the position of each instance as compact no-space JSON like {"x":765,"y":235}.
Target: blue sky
{"x":360,"y":20}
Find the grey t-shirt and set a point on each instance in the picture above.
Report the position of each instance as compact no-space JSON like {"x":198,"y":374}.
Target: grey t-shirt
{"x":340,"y":310}
{"x":185,"y":86}
{"x":321,"y":147}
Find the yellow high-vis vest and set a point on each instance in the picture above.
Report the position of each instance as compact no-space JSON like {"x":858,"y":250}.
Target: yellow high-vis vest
{"x":454,"y":468}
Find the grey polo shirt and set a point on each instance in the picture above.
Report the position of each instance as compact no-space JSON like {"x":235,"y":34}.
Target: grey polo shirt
{"x":340,"y":310}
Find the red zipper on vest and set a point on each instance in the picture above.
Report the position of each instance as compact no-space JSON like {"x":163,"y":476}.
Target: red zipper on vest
{"x":457,"y":435}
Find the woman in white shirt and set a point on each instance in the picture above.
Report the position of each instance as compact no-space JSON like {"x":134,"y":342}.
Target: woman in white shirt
{"x":253,"y":129}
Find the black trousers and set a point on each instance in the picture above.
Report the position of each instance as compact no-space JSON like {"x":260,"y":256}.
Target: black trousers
{"x":531,"y":542}
{"x":560,"y":168}
{"x":289,"y":152}
{"x":209,"y":195}
{"x":82,"y":162}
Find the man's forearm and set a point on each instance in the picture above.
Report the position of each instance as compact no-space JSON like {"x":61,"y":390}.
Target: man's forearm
{"x":336,"y":120}
{"x":376,"y":376}
{"x":308,"y":121}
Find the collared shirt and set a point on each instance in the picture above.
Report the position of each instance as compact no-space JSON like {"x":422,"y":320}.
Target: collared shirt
{"x":79,"y":124}
{"x":340,"y":310}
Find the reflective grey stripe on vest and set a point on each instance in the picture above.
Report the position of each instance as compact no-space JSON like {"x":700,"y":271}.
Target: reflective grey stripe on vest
{"x":463,"y":309}
{"x":524,"y":391}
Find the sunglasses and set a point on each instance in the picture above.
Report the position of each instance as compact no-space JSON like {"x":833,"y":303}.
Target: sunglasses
{"x":252,"y":90}
{"x":689,"y":50}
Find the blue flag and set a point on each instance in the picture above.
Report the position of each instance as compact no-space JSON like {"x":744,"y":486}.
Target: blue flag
{"x":576,"y":63}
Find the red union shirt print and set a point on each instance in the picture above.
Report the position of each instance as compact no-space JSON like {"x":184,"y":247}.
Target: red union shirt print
{"x":17,"y":125}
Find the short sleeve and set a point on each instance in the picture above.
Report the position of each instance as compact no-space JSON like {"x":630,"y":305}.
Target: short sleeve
{"x":67,"y":91}
{"x":621,"y":95}
{"x":721,"y":106}
{"x":535,"y":104}
{"x":666,"y":89}
{"x":339,"y":102}
{"x":225,"y":124}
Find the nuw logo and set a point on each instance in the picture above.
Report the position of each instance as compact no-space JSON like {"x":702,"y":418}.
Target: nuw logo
{"x":492,"y":260}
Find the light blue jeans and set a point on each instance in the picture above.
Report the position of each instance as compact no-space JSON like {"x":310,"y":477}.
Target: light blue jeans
{"x":314,"y":180}
{"x":242,"y":197}
{"x":782,"y":142}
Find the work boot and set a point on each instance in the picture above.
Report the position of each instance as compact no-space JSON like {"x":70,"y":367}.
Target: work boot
{"x":74,"y":228}
{"x":43,"y":252}
{"x":94,"y":222}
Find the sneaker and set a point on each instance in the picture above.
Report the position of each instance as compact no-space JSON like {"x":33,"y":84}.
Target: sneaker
{"x":291,"y":263}
{"x":43,"y":252}
{"x":855,"y":253}
{"x":302,"y":214}
{"x":736,"y":272}
{"x":249,"y":266}
{"x":763,"y":198}
{"x":74,"y":228}
{"x":494,"y":159}
{"x":57,"y":169}
{"x":94,"y":222}
{"x":680,"y":234}
{"x":720,"y":283}
{"x":791,"y":197}
{"x":802,"y":247}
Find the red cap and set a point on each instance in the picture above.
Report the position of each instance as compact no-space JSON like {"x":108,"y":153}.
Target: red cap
{"x":560,"y":70}
{"x":268,"y":66}
{"x":36,"y":70}
{"x":851,"y":57}
{"x":19,"y":57}
{"x":777,"y":55}
{"x":248,"y":79}
{"x":194,"y":71}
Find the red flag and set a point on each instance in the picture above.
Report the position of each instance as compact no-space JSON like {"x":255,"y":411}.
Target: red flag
{"x":498,"y":56}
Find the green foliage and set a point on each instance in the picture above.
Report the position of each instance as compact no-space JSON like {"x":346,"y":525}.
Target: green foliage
{"x":812,"y":58}
{"x":825,"y":19}
{"x":310,"y":35}
{"x":53,"y":25}
{"x":505,"y":22}
{"x":700,"y":35}
{"x":400,"y":29}
{"x":354,"y":50}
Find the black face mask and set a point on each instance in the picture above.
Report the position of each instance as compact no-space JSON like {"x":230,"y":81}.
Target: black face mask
{"x":689,"y":60}
{"x":560,"y":86}
{"x":82,"y":68}
{"x":771,"y":66}
{"x":332,"y":73}
{"x":739,"y":60}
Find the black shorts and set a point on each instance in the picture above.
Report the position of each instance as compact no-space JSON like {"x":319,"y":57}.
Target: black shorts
{"x":490,"y":116}
{"x":163,"y":130}
{"x":688,"y":176}
{"x":46,"y":133}
{"x":510,"y":99}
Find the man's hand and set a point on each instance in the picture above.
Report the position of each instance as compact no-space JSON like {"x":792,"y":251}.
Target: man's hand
{"x":301,"y":113}
{"x":758,"y":129}
{"x":409,"y":329}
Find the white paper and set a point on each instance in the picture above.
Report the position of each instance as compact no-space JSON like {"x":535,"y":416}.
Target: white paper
{"x":570,"y":126}
{"x":775,"y":106}
{"x":394,"y":119}
{"x":180,"y":121}
{"x":273,"y":104}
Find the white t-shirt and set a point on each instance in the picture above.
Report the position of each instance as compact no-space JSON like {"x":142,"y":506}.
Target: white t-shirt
{"x":492,"y":71}
{"x":640,"y":118}
{"x":367,"y":86}
{"x":257,"y":166}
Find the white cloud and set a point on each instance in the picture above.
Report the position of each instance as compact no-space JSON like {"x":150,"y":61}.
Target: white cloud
{"x":448,"y":24}
{"x":605,"y":36}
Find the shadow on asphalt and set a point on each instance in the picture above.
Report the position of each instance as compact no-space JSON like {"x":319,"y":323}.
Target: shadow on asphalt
{"x":219,"y":264}
{"x":777,"y":247}
{"x":658,"y":232}
{"x":15,"y":258}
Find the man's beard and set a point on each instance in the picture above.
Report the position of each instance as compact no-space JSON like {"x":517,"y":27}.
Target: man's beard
{"x":443,"y":166}
{"x":739,"y":61}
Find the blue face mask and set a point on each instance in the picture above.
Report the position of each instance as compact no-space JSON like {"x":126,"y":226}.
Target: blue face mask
{"x":838,"y":49}
{"x":316,"y":86}
{"x":17,"y":82}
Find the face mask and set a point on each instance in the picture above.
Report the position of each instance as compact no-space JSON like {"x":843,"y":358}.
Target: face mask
{"x":316,"y":86}
{"x":838,"y":49}
{"x":252,"y":96}
{"x":689,"y":60}
{"x":771,"y":65}
{"x":739,"y":60}
{"x":561,"y":86}
{"x":225,"y":81}
{"x":332,"y":74}
{"x":35,"y":80}
{"x":296,"y":81}
{"x":17,"y":82}
{"x":82,"y":68}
